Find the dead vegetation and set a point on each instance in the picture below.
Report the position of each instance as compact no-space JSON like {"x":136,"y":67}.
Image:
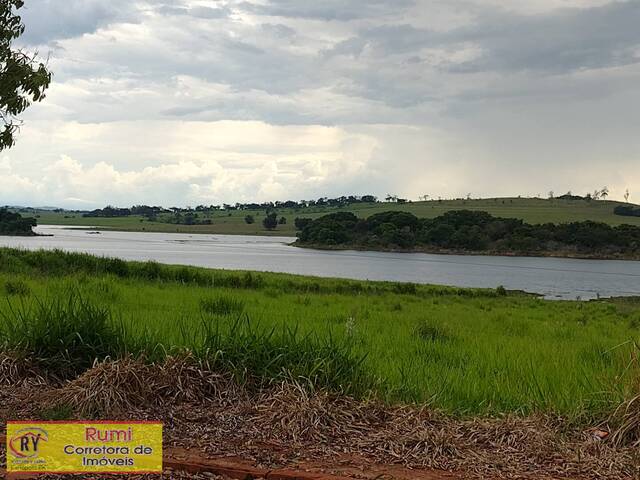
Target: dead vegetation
{"x":16,"y":370}
{"x":510,"y":447}
{"x":277,"y":425}
{"x":117,"y":387}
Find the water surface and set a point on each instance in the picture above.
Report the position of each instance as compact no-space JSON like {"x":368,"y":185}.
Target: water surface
{"x":551,"y":277}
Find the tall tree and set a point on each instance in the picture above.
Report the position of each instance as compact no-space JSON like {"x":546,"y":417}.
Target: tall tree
{"x":23,"y":80}
{"x":270,"y":222}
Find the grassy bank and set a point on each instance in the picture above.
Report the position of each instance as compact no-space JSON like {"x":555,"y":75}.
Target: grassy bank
{"x":531,"y":210}
{"x":465,"y":351}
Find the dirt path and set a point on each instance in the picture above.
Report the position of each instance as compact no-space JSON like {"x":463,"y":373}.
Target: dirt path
{"x":193,"y":464}
{"x":196,"y":463}
{"x":343,"y":469}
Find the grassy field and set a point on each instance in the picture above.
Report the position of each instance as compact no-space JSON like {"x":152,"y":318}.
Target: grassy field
{"x":529,"y":209}
{"x":465,"y":351}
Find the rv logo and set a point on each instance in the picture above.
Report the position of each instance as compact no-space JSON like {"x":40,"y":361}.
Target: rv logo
{"x":26,"y":443}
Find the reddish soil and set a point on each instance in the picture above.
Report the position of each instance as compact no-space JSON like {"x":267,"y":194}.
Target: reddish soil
{"x":192,"y":464}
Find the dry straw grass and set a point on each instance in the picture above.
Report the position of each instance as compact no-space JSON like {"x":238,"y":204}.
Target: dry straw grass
{"x":509,"y":447}
{"x":128,"y":385}
{"x":303,"y":424}
{"x":18,"y":371}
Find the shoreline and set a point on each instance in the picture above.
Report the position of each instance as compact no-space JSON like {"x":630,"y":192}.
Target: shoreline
{"x":484,"y":253}
{"x":360,"y":248}
{"x":33,"y":234}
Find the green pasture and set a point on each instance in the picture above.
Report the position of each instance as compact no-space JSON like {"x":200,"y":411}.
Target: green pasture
{"x":465,"y":351}
{"x":530,"y":210}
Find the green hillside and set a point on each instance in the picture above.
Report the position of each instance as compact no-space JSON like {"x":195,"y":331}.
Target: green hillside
{"x":531,"y":210}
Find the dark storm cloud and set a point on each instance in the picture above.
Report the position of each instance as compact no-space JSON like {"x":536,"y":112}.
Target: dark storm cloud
{"x":560,"y":41}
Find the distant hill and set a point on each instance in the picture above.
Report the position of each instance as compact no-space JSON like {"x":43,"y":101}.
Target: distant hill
{"x":531,"y":210}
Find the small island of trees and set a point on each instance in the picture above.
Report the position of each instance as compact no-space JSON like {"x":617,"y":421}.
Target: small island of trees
{"x":470,"y":232}
{"x":14,"y":224}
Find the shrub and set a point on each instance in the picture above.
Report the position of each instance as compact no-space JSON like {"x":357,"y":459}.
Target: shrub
{"x":432,"y":333}
{"x":626,"y":211}
{"x":270,"y":222}
{"x":405,"y":288}
{"x":16,"y":287}
{"x":221,"y":305}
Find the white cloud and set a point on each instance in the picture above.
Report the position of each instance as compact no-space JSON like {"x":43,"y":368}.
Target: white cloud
{"x":189,"y":162}
{"x":178,"y":102}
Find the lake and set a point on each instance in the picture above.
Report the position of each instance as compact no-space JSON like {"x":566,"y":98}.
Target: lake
{"x":554,"y":278}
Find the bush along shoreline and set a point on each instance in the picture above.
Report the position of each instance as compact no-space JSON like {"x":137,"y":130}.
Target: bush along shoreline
{"x":471,"y":232}
{"x":14,"y":224}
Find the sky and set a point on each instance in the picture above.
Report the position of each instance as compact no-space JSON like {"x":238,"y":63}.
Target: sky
{"x":192,"y":102}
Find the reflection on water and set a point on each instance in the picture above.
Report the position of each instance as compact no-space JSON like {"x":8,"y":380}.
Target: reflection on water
{"x":552,"y":277}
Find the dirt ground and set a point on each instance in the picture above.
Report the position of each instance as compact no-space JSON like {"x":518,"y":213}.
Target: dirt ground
{"x":214,"y":428}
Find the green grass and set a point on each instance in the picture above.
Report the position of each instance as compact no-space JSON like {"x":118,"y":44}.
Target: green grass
{"x":465,"y":351}
{"x":529,"y":209}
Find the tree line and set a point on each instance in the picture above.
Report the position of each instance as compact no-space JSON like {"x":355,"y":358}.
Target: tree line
{"x":464,"y":230}
{"x":14,"y":224}
{"x":154,"y":211}
{"x":627,"y":211}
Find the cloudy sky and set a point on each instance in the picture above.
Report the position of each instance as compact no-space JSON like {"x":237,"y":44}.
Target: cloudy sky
{"x":198,"y":101}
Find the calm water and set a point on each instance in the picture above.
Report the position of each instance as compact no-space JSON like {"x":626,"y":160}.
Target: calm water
{"x":551,"y":277}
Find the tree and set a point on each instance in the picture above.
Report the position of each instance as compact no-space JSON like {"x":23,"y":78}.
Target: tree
{"x":249,"y":219}
{"x":551,"y":195}
{"x":270,"y":222}
{"x":626,"y":196}
{"x":14,"y":224}
{"x":190,"y":218}
{"x":282,"y":221}
{"x":23,"y":80}
{"x":604,"y":193}
{"x":301,"y":223}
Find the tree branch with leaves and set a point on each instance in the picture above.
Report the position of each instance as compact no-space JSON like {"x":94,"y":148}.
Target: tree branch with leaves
{"x":23,"y":79}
